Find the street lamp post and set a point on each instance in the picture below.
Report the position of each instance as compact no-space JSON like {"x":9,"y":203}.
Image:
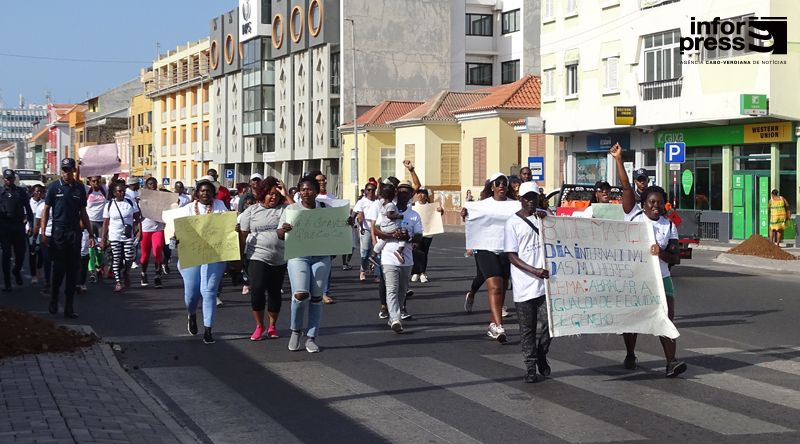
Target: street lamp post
{"x":355,"y":109}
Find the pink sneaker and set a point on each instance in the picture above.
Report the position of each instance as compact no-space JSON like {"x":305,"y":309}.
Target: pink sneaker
{"x":245,"y":289}
{"x":258,"y":334}
{"x":272,"y":332}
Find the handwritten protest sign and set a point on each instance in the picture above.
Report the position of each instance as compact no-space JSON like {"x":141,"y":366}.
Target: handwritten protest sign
{"x":431,"y":218}
{"x":607,"y":211}
{"x":98,"y":160}
{"x":603,"y":278}
{"x":153,"y":203}
{"x":486,"y":220}
{"x":207,"y":238}
{"x":319,"y":232}
{"x":168,"y":217}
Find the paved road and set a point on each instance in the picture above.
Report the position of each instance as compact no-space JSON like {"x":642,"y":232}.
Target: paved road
{"x":443,"y":380}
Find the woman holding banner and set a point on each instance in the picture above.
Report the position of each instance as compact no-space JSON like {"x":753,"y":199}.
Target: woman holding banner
{"x":494,"y":265}
{"x":666,"y":236}
{"x":263,"y":253}
{"x":119,"y":216}
{"x":202,"y":281}
{"x":152,"y":241}
{"x":308,"y":275}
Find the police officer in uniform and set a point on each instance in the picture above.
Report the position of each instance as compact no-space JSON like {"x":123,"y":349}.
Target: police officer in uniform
{"x":67,"y":198}
{"x":15,"y":209}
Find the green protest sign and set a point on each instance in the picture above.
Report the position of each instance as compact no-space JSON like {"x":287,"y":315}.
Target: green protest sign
{"x":318,"y":232}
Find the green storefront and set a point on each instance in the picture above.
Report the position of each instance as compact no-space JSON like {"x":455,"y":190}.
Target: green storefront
{"x":729,"y":173}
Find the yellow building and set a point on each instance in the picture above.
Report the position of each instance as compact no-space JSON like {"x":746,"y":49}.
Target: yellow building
{"x":181,"y":113}
{"x":77,"y":130}
{"x":489,"y":141}
{"x":377,"y":152}
{"x":141,"y":127}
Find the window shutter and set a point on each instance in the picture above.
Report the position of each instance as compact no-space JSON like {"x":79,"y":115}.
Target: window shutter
{"x":479,"y":161}
{"x":410,"y":153}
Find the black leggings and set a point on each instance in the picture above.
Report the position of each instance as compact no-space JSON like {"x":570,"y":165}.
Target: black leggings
{"x":421,"y":256}
{"x":479,"y":279}
{"x":265,"y":285}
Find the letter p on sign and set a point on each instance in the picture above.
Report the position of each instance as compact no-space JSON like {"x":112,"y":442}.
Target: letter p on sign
{"x":674,"y":152}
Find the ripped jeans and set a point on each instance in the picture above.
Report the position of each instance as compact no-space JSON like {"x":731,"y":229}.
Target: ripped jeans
{"x":308,"y":275}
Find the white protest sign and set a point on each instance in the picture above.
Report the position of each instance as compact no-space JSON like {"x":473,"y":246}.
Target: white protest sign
{"x":152,"y":203}
{"x":603,"y":278}
{"x":331,"y":202}
{"x":431,"y":218}
{"x":486,"y":221}
{"x":169,"y":216}
{"x":98,"y":160}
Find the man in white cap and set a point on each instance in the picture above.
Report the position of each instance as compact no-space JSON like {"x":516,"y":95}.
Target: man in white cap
{"x":255,"y":182}
{"x":522,"y":244}
{"x":132,"y":192}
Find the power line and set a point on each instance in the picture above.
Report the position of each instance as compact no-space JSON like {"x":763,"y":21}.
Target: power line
{"x":68,"y":59}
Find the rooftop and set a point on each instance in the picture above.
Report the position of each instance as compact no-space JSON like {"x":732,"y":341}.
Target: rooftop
{"x":384,"y":112}
{"x":525,"y":93}
{"x":441,"y":106}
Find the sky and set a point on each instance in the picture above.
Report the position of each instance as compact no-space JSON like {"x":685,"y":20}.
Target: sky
{"x":114,"y":39}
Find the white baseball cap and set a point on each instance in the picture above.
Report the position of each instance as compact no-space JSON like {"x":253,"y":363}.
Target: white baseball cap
{"x":256,"y":176}
{"x":528,"y":187}
{"x":496,"y":176}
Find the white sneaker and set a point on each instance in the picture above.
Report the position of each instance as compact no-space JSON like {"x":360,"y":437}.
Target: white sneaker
{"x":497,"y":332}
{"x":414,"y":277}
{"x":219,"y":302}
{"x":423,"y":278}
{"x":504,"y":313}
{"x":134,"y":266}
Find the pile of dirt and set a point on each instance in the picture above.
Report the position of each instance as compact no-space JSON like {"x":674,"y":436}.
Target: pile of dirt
{"x":22,"y":333}
{"x":760,"y":246}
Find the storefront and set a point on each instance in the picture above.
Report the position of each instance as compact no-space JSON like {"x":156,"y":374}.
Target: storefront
{"x":723,"y":186}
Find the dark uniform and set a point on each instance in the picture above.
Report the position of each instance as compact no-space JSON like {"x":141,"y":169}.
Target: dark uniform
{"x":66,"y":201}
{"x":15,"y":209}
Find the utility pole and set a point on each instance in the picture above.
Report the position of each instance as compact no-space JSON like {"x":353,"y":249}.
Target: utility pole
{"x":355,"y":108}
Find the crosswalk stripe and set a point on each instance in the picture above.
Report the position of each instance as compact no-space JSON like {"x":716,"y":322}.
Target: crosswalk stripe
{"x":393,"y":420}
{"x":542,"y":414}
{"x":791,"y":366}
{"x":720,"y":380}
{"x":656,"y":401}
{"x":200,"y":394}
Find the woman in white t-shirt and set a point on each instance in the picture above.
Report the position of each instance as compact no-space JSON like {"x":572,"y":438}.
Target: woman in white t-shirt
{"x":38,"y":231}
{"x":202,"y":281}
{"x":120,"y":214}
{"x":34,"y":254}
{"x":152,"y":241}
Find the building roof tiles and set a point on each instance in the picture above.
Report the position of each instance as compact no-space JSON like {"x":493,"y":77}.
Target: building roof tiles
{"x":525,"y":93}
{"x":441,"y":106}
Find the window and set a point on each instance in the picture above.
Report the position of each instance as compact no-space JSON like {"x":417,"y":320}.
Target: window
{"x":387,"y":162}
{"x":548,"y":79}
{"x":572,"y":80}
{"x":479,"y":161}
{"x":572,"y":8}
{"x":335,"y":73}
{"x":479,"y":74}
{"x":718,"y":53}
{"x":547,"y":10}
{"x":335,"y":126}
{"x":611,"y":68}
{"x":662,"y":65}
{"x":510,"y":21}
{"x":706,"y":166}
{"x":479,"y":24}
{"x":509,"y":71}
{"x":450,"y":165}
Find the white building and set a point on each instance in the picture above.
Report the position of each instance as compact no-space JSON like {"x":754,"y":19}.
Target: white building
{"x":596,"y":55}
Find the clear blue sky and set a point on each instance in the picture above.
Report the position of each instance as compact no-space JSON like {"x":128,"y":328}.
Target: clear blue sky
{"x":108,"y":30}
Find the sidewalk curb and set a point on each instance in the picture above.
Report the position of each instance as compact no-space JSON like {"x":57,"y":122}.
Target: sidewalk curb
{"x":181,"y":433}
{"x":773,"y":265}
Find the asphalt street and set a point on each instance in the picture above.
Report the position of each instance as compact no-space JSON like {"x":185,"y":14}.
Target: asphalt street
{"x":444,"y":380}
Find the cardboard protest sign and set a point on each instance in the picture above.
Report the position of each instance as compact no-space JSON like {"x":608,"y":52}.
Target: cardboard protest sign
{"x":99,"y":160}
{"x":603,"y":278}
{"x":486,"y":220}
{"x":168,"y":217}
{"x":153,"y":203}
{"x":319,"y":232}
{"x":431,"y":218}
{"x":207,"y":238}
{"x":609,"y":211}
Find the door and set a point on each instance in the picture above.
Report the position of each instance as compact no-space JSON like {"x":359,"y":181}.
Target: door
{"x":750,"y":203}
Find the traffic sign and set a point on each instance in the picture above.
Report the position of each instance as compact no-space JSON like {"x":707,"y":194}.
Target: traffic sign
{"x":165,"y":181}
{"x":536,"y":164}
{"x":675,"y":152}
{"x":229,"y":174}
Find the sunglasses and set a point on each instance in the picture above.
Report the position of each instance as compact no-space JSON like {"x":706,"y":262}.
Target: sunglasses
{"x":499,"y":182}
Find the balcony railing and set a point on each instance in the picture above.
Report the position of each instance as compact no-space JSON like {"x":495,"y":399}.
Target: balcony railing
{"x":172,"y":150}
{"x":172,"y":115}
{"x":205,"y":145}
{"x":183,"y":148}
{"x":661,"y":89}
{"x":183,"y":113}
{"x":194,"y":110}
{"x":205,"y":108}
{"x":163,"y":116}
{"x":194,"y":147}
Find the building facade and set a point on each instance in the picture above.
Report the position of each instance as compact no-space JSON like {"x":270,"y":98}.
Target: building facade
{"x":692,"y":96}
{"x":181,"y":117}
{"x":141,"y":136}
{"x":17,"y":124}
{"x":58,"y":136}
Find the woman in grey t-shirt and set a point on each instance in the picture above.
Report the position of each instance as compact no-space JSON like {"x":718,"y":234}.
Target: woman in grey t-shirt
{"x":263,"y":252}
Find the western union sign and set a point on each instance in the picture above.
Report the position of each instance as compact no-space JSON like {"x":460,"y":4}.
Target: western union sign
{"x":625,"y":115}
{"x":768,"y":132}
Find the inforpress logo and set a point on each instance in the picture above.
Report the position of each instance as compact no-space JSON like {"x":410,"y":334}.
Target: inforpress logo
{"x":751,"y":34}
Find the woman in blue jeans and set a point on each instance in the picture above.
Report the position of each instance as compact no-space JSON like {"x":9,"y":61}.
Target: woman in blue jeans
{"x":308,"y":275}
{"x":202,"y":281}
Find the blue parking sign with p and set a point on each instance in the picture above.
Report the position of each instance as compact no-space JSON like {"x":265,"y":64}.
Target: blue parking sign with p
{"x":675,"y":152}
{"x":229,"y":174}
